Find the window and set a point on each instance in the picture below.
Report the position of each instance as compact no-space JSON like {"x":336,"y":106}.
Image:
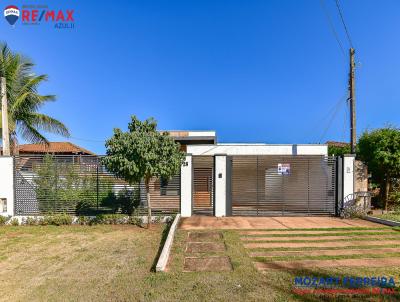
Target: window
{"x":3,"y":205}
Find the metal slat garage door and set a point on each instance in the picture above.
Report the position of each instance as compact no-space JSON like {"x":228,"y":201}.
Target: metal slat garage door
{"x":282,"y":185}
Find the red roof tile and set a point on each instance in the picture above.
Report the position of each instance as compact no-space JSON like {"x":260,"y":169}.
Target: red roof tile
{"x":54,"y":147}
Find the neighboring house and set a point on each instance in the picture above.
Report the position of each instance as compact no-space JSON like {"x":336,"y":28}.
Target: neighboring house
{"x":63,"y":151}
{"x":55,"y":148}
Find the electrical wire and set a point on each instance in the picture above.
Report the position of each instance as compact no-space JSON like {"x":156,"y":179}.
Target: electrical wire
{"x":87,"y":139}
{"x":337,"y":107}
{"x":343,"y":22}
{"x":322,"y":120}
{"x":332,"y":27}
{"x":346,"y":120}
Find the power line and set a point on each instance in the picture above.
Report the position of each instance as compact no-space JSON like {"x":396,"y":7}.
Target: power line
{"x":336,"y":110}
{"x":324,"y":118}
{"x":344,"y":23}
{"x":332,"y":27}
{"x":346,"y":121}
{"x":87,"y":139}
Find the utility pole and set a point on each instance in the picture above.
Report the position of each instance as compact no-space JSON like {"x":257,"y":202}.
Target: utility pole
{"x":352,"y":99}
{"x":4,"y":118}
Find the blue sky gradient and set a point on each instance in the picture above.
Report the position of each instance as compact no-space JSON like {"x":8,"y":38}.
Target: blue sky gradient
{"x":254,"y":71}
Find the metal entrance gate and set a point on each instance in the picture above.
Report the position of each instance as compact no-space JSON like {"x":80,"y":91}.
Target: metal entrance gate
{"x":203,"y":185}
{"x":282,"y":185}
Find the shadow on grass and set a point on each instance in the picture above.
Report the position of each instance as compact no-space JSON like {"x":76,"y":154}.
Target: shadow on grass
{"x":332,"y":297}
{"x":282,"y":281}
{"x":164,"y":236}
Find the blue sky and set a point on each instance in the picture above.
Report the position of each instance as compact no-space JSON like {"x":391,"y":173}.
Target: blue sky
{"x":254,"y":71}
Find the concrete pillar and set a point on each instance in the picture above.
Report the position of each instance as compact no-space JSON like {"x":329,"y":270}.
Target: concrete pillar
{"x":6,"y":186}
{"x":220,"y":185}
{"x":186,"y":187}
{"x":348,"y":176}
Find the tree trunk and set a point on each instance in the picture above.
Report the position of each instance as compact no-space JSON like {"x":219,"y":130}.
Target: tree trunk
{"x":387,"y":189}
{"x":148,"y":202}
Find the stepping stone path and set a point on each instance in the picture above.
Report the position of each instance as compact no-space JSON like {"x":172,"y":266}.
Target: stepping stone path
{"x":205,"y":252}
{"x":204,"y":247}
{"x":208,"y":264}
{"x":300,"y":249}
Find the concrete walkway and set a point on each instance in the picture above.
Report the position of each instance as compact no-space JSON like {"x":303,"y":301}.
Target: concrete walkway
{"x":237,"y":223}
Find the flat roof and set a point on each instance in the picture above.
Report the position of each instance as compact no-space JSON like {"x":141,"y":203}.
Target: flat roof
{"x":190,"y":133}
{"x":258,"y":149}
{"x":265,"y":144}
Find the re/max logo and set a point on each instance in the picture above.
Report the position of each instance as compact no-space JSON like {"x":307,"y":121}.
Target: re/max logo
{"x":35,"y":15}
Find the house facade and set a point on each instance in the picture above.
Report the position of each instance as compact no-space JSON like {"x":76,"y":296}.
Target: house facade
{"x":218,"y":179}
{"x":260,"y":179}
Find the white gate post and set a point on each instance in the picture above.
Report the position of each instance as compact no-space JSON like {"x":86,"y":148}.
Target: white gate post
{"x":6,"y":186}
{"x":348,"y":175}
{"x":220,"y":185}
{"x":186,"y":187}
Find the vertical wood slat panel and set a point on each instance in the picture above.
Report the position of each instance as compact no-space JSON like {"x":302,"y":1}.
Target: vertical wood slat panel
{"x":203,"y":185}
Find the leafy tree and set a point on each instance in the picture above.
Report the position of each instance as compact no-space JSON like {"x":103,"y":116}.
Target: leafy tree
{"x":24,"y":101}
{"x":142,"y":153}
{"x":380,"y":150}
{"x":338,"y":150}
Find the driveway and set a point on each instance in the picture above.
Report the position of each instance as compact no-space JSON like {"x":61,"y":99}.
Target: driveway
{"x":198,"y":222}
{"x":287,"y":243}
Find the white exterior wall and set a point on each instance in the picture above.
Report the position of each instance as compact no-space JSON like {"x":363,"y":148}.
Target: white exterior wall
{"x":348,"y":176}
{"x":201,"y":133}
{"x":220,"y":185}
{"x":7,"y":183}
{"x":257,"y":149}
{"x":186,"y":187}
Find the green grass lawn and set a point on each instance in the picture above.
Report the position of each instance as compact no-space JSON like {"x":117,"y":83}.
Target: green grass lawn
{"x":390,"y":216}
{"x":245,"y":283}
{"x":71,"y":263}
{"x":113,"y":263}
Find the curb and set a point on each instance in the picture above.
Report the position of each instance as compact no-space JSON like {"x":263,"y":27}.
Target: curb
{"x":382,"y":221}
{"x":163,"y":260}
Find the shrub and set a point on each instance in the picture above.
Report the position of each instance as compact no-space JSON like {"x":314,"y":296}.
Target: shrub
{"x":123,"y":202}
{"x":169,"y":219}
{"x":30,"y":221}
{"x":111,"y":219}
{"x":136,"y":220}
{"x":352,"y":209}
{"x":157,"y":219}
{"x":14,"y":221}
{"x":61,"y":186}
{"x":4,"y":219}
{"x":394,"y":198}
{"x":56,"y":219}
{"x":84,"y":220}
{"x":128,"y":200}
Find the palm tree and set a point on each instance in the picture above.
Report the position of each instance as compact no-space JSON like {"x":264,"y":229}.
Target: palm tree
{"x":24,"y":101}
